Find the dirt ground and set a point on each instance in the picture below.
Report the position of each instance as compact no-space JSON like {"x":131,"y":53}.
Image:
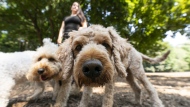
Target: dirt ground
{"x":173,"y":90}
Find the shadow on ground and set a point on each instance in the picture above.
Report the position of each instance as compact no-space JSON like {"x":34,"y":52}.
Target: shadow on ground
{"x":174,"y":91}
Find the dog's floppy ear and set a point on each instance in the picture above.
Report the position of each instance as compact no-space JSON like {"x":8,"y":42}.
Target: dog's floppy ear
{"x":120,"y":51}
{"x":65,"y":55}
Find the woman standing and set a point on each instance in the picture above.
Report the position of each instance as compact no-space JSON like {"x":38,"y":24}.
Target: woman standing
{"x":75,"y":21}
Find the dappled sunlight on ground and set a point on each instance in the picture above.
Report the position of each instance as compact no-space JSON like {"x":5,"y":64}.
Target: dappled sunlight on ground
{"x":98,"y":90}
{"x":173,"y":90}
{"x":172,"y":83}
{"x":121,"y":84}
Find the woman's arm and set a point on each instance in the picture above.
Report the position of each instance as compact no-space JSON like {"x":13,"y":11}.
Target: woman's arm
{"x":60,"y":36}
{"x":84,"y":24}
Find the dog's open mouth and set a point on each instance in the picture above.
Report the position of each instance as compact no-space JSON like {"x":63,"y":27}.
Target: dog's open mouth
{"x":44,"y":78}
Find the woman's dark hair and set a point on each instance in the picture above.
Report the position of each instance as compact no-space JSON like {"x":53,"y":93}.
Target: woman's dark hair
{"x":80,"y":13}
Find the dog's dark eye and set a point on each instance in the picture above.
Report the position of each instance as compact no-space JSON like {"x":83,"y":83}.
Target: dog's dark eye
{"x":51,"y":59}
{"x":40,"y":58}
{"x":106,"y":45}
{"x":78,"y":47}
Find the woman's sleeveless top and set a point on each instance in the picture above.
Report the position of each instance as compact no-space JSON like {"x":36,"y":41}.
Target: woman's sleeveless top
{"x":72,"y":23}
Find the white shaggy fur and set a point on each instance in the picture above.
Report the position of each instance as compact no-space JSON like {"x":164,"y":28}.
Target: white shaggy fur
{"x":13,"y":67}
{"x":13,"y":70}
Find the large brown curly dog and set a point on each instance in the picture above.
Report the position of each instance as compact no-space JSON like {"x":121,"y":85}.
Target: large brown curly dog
{"x":94,"y":56}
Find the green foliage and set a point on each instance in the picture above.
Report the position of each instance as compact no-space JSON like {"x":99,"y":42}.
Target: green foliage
{"x":143,"y":22}
{"x":28,"y":22}
{"x":7,"y":44}
{"x":150,"y":18}
{"x":178,"y":61}
{"x":186,"y":48}
{"x":34,"y":20}
{"x":25,"y":23}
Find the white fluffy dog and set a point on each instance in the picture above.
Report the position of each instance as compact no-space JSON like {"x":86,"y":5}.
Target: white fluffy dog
{"x":13,"y":70}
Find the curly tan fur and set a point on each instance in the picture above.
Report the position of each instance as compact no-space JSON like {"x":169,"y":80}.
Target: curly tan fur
{"x":97,"y":45}
{"x":47,"y":67}
{"x":94,"y":52}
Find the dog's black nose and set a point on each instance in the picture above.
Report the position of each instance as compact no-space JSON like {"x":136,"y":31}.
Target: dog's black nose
{"x":92,"y":68}
{"x":40,"y":71}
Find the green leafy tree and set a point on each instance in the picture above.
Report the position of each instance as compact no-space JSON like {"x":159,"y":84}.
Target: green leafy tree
{"x":143,"y":22}
{"x":178,"y":61}
{"x":187,"y":57}
{"x":28,"y":22}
